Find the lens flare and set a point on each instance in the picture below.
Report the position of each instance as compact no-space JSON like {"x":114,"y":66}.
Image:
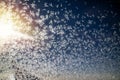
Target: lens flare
{"x":6,"y":26}
{"x":12,"y":25}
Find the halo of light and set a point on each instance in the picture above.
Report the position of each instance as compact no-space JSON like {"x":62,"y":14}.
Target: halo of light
{"x":11,"y":24}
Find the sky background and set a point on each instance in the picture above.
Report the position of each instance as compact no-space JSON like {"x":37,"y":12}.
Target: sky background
{"x":72,"y":37}
{"x":86,"y":34}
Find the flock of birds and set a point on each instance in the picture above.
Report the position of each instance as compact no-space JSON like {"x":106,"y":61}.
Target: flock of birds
{"x":65,"y":40}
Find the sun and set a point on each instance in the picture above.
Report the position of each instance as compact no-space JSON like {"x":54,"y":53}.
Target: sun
{"x":12,"y":25}
{"x":6,"y":26}
{"x":15,"y":25}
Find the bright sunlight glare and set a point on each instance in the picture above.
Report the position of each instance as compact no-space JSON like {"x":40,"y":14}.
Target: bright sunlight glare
{"x":6,"y":26}
{"x":13,"y":26}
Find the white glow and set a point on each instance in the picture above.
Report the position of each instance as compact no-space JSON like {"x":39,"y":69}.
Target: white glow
{"x":12,"y":28}
{"x":7,"y":27}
